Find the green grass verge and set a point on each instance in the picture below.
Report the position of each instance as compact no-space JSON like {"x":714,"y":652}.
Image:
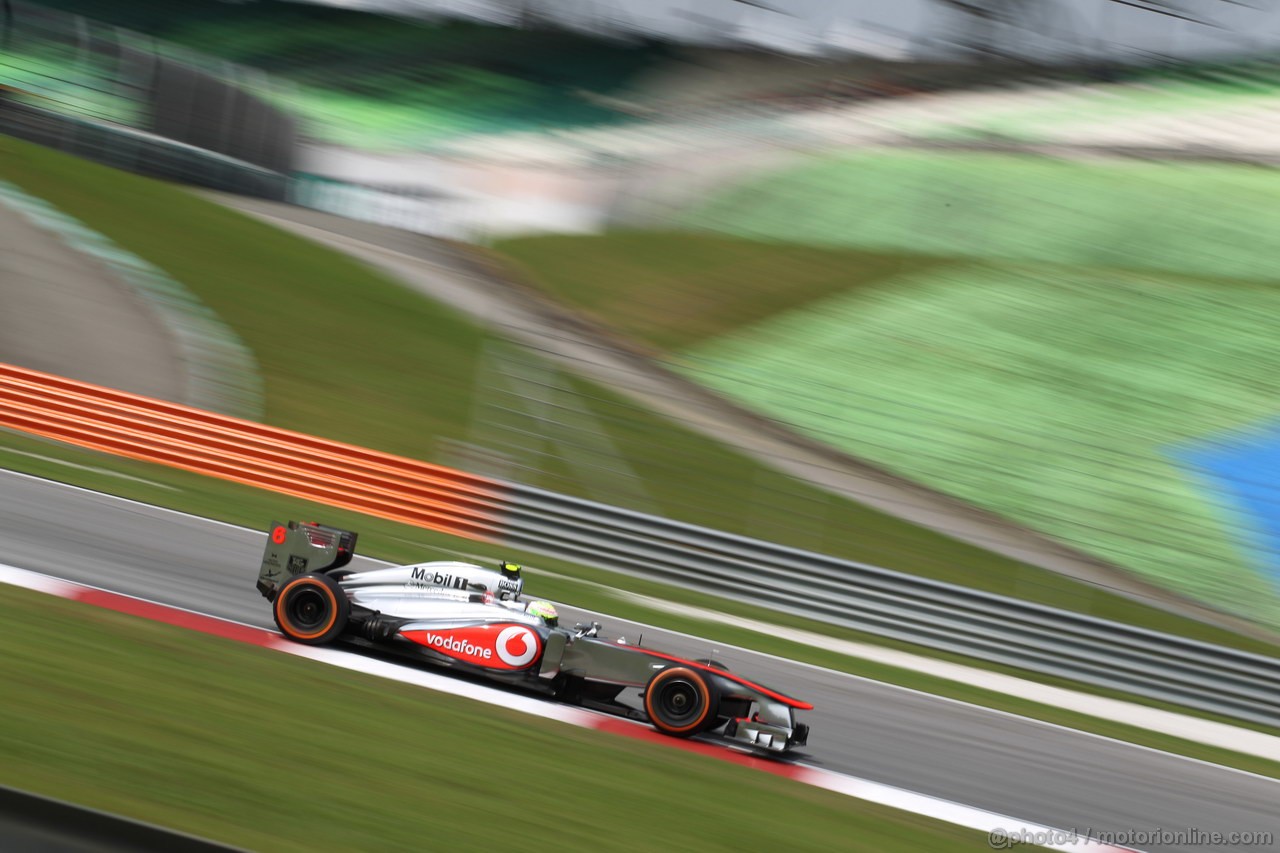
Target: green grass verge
{"x":257,"y":749}
{"x":1066,"y":400}
{"x":1210,"y":220}
{"x":1111,"y":332}
{"x":674,"y":289}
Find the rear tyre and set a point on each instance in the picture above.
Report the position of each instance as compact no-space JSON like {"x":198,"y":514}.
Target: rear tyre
{"x":311,"y":609}
{"x":680,"y":701}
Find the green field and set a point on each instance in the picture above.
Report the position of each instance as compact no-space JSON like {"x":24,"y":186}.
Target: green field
{"x":1117,"y":317}
{"x":257,"y":749}
{"x":676,"y":290}
{"x":1199,"y":220}
{"x":1013,"y":389}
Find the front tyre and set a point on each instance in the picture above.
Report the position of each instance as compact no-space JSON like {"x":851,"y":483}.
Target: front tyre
{"x":680,"y":701}
{"x":311,"y":609}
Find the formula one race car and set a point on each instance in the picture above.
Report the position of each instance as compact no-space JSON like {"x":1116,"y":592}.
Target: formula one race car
{"x":474,"y":619}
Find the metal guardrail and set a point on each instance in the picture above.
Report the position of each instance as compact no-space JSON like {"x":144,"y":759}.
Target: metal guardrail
{"x":141,"y":152}
{"x":899,"y":606}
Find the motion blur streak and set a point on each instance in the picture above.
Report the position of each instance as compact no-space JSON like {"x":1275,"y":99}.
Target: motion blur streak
{"x":863,"y":789}
{"x":291,"y":463}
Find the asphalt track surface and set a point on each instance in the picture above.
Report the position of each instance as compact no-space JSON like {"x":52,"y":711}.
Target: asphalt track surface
{"x":1011,"y":765}
{"x":67,"y":313}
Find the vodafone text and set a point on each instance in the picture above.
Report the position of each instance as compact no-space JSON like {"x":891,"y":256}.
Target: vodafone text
{"x":453,"y":644}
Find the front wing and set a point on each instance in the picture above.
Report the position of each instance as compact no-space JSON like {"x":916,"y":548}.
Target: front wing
{"x":757,"y":716}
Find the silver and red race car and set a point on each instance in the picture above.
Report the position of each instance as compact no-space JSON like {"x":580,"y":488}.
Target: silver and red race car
{"x":475,"y":619}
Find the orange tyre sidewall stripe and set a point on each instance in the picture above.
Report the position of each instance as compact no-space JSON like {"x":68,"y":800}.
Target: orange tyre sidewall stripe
{"x":282,"y":617}
{"x":702,"y":688}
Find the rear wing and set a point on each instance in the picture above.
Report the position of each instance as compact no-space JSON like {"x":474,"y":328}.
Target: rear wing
{"x":302,"y":546}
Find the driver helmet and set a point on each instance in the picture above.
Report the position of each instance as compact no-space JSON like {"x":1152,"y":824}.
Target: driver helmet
{"x":544,"y":610}
{"x":511,"y":585}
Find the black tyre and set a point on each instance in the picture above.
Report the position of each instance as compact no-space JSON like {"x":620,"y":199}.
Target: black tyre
{"x":680,"y":701}
{"x":311,"y":609}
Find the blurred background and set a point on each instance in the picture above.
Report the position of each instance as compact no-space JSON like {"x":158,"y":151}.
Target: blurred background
{"x":1017,"y":252}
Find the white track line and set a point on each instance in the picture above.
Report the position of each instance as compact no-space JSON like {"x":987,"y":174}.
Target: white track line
{"x":95,"y":469}
{"x":1195,"y":729}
